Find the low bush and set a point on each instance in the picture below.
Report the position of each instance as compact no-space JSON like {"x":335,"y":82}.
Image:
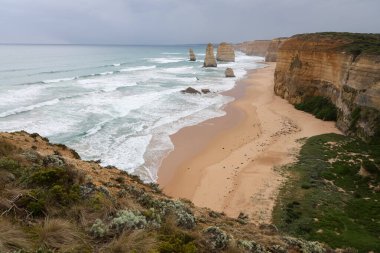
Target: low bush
{"x":320,"y":107}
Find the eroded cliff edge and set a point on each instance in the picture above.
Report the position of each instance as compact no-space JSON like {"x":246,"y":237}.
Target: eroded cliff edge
{"x":342,"y":67}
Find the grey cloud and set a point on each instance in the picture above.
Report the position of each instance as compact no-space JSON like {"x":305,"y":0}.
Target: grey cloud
{"x":178,"y":21}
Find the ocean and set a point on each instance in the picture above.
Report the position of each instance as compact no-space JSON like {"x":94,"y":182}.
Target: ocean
{"x":117,"y":104}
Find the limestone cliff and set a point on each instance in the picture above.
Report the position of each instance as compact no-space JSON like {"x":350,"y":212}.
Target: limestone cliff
{"x":271,"y":55}
{"x":342,"y":67}
{"x":192,"y":55}
{"x":257,"y":47}
{"x":210,"y":57}
{"x":225,"y":52}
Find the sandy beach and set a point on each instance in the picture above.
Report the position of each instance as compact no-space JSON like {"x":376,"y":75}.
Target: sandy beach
{"x":228,"y":163}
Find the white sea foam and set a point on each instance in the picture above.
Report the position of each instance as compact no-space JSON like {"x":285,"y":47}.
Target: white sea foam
{"x":60,"y":80}
{"x":128,"y":153}
{"x":138,"y":68}
{"x":123,"y":117}
{"x":166,"y":60}
{"x":28,"y":108}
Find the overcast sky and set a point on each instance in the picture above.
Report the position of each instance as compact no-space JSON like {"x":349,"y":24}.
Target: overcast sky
{"x":178,"y":21}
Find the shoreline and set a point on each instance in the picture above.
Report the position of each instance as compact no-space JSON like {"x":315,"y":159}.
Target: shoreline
{"x":227,"y":163}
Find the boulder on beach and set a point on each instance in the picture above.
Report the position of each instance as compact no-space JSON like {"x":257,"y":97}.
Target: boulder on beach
{"x":192,"y":55}
{"x":210,"y":57}
{"x":205,"y":91}
{"x":229,"y":72}
{"x":190,"y":90}
{"x":225,"y":53}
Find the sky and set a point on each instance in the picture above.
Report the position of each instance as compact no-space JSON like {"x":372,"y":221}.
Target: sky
{"x":178,"y":21}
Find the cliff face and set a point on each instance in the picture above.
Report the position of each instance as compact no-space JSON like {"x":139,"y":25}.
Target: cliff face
{"x":271,"y":55}
{"x":336,"y":66}
{"x":257,"y":47}
{"x":225,"y":53}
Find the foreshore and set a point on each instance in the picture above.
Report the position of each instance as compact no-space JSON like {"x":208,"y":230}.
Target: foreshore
{"x":229,"y":163}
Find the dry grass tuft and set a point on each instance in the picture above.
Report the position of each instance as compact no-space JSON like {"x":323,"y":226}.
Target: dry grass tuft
{"x":59,"y":234}
{"x":12,"y":238}
{"x":132,"y":241}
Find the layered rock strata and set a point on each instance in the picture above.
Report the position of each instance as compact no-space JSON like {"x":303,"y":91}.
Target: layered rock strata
{"x":257,"y":47}
{"x":271,"y":55}
{"x":344,"y":68}
{"x":210,"y":57}
{"x":225,"y":53}
{"x":192,"y":55}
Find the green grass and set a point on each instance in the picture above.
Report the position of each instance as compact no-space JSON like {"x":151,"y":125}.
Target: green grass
{"x":320,"y":107}
{"x":327,"y":200}
{"x":355,"y":43}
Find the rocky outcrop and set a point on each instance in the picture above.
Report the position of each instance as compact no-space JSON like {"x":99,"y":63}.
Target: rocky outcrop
{"x":229,"y":72}
{"x":256,"y":47}
{"x":345,"y":68}
{"x":192,"y":55}
{"x":190,"y":90}
{"x":210,"y":57}
{"x":225,"y":52}
{"x":271,"y":55}
{"x":205,"y":91}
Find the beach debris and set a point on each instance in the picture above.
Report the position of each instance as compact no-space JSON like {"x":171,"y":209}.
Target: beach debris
{"x":190,"y":90}
{"x":192,"y":55}
{"x":229,"y":72}
{"x":225,"y":53}
{"x":210,"y":57}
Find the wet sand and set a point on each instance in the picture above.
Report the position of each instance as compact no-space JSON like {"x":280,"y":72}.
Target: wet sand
{"x":228,"y":163}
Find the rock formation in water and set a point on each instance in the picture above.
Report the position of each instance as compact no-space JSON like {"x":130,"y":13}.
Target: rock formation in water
{"x":210,"y":57}
{"x":229,"y":72}
{"x":225,"y":52}
{"x":192,"y":55}
{"x":205,"y":91}
{"x":257,"y":47}
{"x":343,"y":67}
{"x":271,"y":55}
{"x":190,"y":90}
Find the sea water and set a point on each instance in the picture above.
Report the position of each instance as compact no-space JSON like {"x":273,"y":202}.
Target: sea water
{"x":119,"y":104}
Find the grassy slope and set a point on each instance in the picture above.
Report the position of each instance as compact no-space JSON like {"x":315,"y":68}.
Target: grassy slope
{"x":355,"y":43}
{"x":327,"y":200}
{"x":51,"y":201}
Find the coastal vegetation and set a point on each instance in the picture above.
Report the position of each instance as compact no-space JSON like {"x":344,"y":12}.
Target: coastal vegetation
{"x":354,"y":43}
{"x":333,"y":193}
{"x":320,"y":107}
{"x":51,"y":201}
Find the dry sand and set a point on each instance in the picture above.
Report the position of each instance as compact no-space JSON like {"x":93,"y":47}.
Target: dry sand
{"x":228,"y":163}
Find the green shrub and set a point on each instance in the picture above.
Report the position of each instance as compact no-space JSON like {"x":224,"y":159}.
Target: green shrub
{"x":320,"y":107}
{"x":174,"y":240}
{"x":370,"y":167}
{"x":251,"y":246}
{"x":128,"y":219}
{"x":99,"y":229}
{"x":10,"y":165}
{"x":217,"y":238}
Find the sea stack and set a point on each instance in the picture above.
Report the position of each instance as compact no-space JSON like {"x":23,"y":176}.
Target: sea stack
{"x":229,"y":72}
{"x":192,"y":55}
{"x":210,"y":58}
{"x":225,"y":52}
